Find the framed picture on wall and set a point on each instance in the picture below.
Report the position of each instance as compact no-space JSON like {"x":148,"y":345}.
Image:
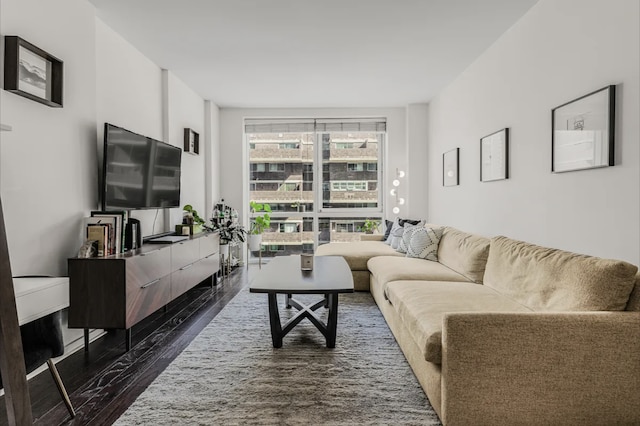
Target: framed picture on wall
{"x":191,"y":142}
{"x":494,"y":156}
{"x":583,"y":132}
{"x":31,"y":72}
{"x":450,"y":167}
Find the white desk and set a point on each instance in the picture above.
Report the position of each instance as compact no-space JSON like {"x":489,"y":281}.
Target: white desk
{"x":37,"y":297}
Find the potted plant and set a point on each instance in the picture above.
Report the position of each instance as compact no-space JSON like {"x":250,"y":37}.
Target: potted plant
{"x":192,"y":219}
{"x":370,"y":225}
{"x":260,"y":221}
{"x":230,"y":234}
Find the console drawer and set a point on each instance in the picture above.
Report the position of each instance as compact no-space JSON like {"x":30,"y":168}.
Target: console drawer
{"x":184,"y":253}
{"x":148,"y":266}
{"x":145,"y":299}
{"x":209,"y":244}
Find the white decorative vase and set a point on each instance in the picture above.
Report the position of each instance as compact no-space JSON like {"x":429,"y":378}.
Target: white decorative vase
{"x":224,"y":250}
{"x":255,"y":241}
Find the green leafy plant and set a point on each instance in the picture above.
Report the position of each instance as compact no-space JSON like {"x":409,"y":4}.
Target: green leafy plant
{"x":370,"y":225}
{"x":193,"y":215}
{"x":231,"y":233}
{"x":260,"y":222}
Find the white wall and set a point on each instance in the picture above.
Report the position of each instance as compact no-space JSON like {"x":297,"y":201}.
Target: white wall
{"x":48,"y":162}
{"x":558,"y":51}
{"x":136,"y":94}
{"x":234,"y":170}
{"x":186,"y":110}
{"x":417,"y":154}
{"x":212,"y":155}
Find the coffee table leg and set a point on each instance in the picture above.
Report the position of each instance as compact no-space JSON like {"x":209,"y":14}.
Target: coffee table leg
{"x":274,"y":320}
{"x":332,"y":321}
{"x":287,"y":298}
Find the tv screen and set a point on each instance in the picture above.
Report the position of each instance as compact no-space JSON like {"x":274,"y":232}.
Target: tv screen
{"x":139,"y":172}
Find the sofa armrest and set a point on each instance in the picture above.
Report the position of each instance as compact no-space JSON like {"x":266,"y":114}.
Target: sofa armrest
{"x":541,"y":368}
{"x":371,"y":237}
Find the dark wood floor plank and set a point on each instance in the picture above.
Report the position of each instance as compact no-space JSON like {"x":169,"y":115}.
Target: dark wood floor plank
{"x":104,"y":383}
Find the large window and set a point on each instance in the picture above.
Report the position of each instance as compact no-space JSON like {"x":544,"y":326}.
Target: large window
{"x":320,"y":178}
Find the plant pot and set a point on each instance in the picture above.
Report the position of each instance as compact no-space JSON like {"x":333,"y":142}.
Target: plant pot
{"x":224,"y":250}
{"x":255,"y":241}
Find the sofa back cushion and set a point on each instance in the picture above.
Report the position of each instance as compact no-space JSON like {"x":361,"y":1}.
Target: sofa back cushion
{"x":464,"y":253}
{"x":634,"y":298}
{"x":546,"y":279}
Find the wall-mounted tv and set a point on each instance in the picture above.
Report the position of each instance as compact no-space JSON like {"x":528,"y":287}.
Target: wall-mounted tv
{"x":139,"y":172}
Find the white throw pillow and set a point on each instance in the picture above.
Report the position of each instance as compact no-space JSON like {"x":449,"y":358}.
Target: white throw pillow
{"x":406,"y":236}
{"x":423,"y":242}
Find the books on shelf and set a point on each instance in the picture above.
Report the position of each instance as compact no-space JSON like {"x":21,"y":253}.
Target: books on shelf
{"x":107,"y":227}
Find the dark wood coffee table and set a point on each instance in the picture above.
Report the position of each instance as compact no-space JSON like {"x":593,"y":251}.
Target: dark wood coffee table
{"x":282,"y":275}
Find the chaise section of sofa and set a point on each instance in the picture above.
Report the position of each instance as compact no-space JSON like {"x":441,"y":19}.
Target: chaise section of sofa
{"x":357,"y":254}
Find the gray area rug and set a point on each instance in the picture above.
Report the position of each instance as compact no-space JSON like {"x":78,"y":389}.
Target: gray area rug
{"x":231,"y":374}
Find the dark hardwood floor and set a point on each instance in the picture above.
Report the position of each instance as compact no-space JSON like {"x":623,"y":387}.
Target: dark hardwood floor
{"x":104,"y":382}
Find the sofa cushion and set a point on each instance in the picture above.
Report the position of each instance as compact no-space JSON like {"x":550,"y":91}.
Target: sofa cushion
{"x":387,"y":268}
{"x":546,"y":279}
{"x":423,"y":242}
{"x":634,"y":298}
{"x":464,"y":253}
{"x":422,"y":305}
{"x":357,"y":253}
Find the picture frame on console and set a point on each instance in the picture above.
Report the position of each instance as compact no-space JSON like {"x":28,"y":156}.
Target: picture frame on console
{"x":450,"y":167}
{"x":494,"y":156}
{"x":583,"y":132}
{"x":31,"y":72}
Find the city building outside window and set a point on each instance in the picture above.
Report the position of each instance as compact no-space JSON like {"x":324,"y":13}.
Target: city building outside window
{"x":320,"y":178}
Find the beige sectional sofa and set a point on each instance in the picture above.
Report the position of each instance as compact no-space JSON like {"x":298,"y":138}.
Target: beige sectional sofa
{"x":502,"y":332}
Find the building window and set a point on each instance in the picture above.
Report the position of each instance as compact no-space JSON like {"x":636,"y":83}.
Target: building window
{"x":288,"y":186}
{"x":289,"y":228}
{"x":372,"y":167}
{"x":349,"y":186}
{"x":276,"y":167}
{"x":289,"y":145}
{"x":355,"y":167}
{"x":344,"y":145}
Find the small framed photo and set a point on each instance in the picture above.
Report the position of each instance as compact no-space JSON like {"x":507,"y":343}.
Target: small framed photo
{"x":191,"y":142}
{"x":494,"y":156}
{"x":583,"y":132}
{"x":450,"y":167}
{"x":31,"y":72}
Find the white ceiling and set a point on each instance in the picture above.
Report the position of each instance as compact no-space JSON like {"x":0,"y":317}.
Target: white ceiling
{"x":313,"y":53}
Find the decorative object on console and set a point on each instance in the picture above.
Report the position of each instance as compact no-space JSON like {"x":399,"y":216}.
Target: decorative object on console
{"x":192,"y":221}
{"x":494,"y":156}
{"x":394,"y":191}
{"x":191,"y":141}
{"x":31,"y":72}
{"x":583,"y":132}
{"x":450,"y":167}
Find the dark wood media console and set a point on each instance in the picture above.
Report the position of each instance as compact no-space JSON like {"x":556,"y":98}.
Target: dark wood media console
{"x":118,"y":291}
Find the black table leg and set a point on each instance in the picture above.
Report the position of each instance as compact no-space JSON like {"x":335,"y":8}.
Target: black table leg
{"x":332,"y":321}
{"x":274,"y":320}
{"x":287,"y":300}
{"x":86,"y":340}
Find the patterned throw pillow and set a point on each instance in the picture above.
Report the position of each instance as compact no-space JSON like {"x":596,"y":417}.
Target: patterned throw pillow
{"x":387,"y":229}
{"x":423,"y":242}
{"x":406,"y":236}
{"x":396,"y":237}
{"x":396,"y":225}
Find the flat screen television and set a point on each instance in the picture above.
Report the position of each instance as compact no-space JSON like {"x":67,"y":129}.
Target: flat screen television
{"x":139,"y":172}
